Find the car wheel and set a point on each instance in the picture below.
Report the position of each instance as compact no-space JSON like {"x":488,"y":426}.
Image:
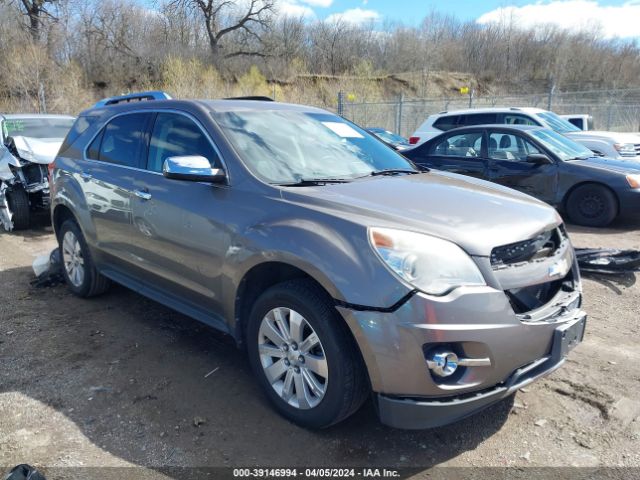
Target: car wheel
{"x":18,"y":201}
{"x":304,"y":356}
{"x":77,"y":265}
{"x":592,"y":205}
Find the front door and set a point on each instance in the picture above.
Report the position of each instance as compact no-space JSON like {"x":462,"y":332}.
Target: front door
{"x":508,"y":153}
{"x":181,"y":230}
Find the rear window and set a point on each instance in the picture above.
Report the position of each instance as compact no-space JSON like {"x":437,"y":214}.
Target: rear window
{"x":79,"y":127}
{"x":446,"y":123}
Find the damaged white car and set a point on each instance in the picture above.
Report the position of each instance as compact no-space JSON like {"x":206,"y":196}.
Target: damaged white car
{"x":29,"y":144}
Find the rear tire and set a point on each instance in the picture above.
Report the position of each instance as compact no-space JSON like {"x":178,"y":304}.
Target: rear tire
{"x":80,"y":273}
{"x":316,"y":387}
{"x":18,"y":201}
{"x":592,"y":205}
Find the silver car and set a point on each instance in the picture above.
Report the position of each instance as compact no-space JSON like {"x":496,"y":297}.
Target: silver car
{"x":343,"y":270}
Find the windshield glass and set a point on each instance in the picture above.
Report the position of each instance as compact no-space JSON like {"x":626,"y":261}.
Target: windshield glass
{"x":289,"y":146}
{"x":557,"y":123}
{"x":563,"y":147}
{"x":37,"y":127}
{"x":389,"y":137}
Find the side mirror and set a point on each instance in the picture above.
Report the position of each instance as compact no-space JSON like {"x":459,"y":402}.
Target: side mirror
{"x":538,"y":159}
{"x":193,"y":168}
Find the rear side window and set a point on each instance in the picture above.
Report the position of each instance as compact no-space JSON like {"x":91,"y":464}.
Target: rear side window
{"x":79,"y":127}
{"x":515,"y":119}
{"x":446,"y":123}
{"x":462,"y":145}
{"x":175,"y":135}
{"x":477,"y":119}
{"x":122,"y":141}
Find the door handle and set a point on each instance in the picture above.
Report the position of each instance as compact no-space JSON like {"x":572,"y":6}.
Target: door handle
{"x":142,"y":195}
{"x":86,"y":176}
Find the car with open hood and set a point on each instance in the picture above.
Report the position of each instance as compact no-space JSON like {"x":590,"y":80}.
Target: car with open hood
{"x":342,"y":269}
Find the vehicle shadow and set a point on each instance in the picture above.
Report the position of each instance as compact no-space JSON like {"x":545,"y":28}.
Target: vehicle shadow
{"x":158,"y":389}
{"x":615,"y":228}
{"x":40,"y":226}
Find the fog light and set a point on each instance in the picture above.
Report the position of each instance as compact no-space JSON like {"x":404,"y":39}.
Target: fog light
{"x":442,"y":362}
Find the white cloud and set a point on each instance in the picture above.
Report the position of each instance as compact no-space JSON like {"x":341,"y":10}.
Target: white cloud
{"x":291,"y":8}
{"x":615,"y":21}
{"x":355,"y":16}
{"x":318,"y":3}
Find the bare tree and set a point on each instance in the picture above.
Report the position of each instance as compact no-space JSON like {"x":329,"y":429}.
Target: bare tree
{"x":225,"y":18}
{"x":36,"y":11}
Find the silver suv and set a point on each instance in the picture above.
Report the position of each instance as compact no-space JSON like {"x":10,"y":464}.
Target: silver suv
{"x":339,"y":266}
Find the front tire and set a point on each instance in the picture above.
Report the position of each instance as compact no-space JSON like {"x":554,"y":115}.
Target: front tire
{"x":18,"y":201}
{"x":592,"y":205}
{"x":303,"y":355}
{"x":83,"y":279}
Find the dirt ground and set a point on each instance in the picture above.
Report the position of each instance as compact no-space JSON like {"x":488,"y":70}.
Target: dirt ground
{"x":121,"y":381}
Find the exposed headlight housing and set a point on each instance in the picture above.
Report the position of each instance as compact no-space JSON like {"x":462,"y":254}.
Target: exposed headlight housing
{"x":430,"y":264}
{"x":625,"y":149}
{"x":633,"y":180}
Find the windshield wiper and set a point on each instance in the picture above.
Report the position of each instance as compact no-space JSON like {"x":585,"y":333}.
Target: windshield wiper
{"x":310,"y":182}
{"x":394,"y":171}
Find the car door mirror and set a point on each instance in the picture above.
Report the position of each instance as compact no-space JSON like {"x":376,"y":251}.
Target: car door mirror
{"x":194,"y":168}
{"x":538,"y":159}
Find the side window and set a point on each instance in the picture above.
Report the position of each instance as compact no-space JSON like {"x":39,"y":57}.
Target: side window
{"x":175,"y":135}
{"x":517,"y":119}
{"x":462,"y":145}
{"x":477,"y":119}
{"x":446,"y":123}
{"x":503,"y":146}
{"x":124,"y":140}
{"x":93,"y":152}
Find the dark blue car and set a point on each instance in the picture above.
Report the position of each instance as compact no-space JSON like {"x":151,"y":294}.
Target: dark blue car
{"x":590,"y":190}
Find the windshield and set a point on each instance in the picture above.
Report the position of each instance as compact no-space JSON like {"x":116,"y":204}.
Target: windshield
{"x":389,"y":137}
{"x":288,"y":146}
{"x":37,"y":127}
{"x":557,"y":123}
{"x":563,"y":147}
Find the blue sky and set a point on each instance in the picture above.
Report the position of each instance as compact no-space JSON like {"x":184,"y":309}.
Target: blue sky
{"x":619,"y":18}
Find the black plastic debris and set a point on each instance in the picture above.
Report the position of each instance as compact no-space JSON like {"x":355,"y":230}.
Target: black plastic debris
{"x":608,"y":261}
{"x":50,"y":274}
{"x":24,"y":472}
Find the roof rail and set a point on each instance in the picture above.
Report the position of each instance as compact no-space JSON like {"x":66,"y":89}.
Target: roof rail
{"x":133,"y":97}
{"x":260,"y":98}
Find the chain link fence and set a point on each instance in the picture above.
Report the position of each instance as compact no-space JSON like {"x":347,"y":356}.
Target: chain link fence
{"x":615,"y":110}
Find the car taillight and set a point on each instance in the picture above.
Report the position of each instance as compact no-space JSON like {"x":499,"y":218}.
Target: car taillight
{"x":414,"y":140}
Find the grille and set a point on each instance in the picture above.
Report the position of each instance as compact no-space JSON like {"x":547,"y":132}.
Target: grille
{"x":637,"y":145}
{"x":33,"y":173}
{"x":542,"y":246}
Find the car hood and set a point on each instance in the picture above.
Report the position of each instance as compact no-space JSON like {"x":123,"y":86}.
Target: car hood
{"x":601,"y":135}
{"x":609,"y":164}
{"x":37,"y":150}
{"x":472,"y":213}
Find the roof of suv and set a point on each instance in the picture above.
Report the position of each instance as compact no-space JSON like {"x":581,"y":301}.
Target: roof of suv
{"x":490,"y":110}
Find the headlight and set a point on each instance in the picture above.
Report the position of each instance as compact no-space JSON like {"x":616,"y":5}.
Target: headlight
{"x":430,"y":264}
{"x":633,"y":181}
{"x":625,"y":149}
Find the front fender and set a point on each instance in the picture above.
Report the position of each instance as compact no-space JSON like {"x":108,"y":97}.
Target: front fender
{"x":338,"y":257}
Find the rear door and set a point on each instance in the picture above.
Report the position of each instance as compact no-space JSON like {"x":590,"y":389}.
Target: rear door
{"x":180,"y":227}
{"x":457,"y":152}
{"x":107,"y":179}
{"x":507,"y":151}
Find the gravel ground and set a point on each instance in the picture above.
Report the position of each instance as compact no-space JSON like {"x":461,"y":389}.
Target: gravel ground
{"x":121,"y":381}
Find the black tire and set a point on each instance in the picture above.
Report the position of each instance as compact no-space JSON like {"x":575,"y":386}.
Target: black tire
{"x":592,"y":205}
{"x":18,"y":201}
{"x":93,"y":283}
{"x":347,"y":383}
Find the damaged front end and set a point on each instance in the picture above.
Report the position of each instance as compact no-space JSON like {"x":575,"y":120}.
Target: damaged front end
{"x":24,"y":183}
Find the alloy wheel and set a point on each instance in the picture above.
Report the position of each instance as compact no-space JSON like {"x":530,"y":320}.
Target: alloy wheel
{"x":293,"y":358}
{"x":73,"y":259}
